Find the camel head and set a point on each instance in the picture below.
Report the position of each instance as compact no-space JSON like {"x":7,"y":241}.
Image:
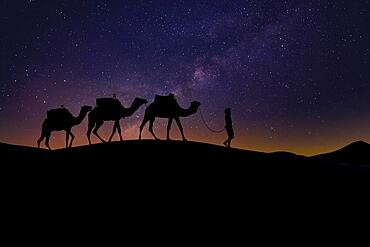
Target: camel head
{"x":193,"y":108}
{"x":86,"y":108}
{"x":194,"y":105}
{"x":139,"y":101}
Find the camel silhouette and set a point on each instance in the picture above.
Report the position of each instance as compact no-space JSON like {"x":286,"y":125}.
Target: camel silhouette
{"x":61,"y":119}
{"x":167,"y":107}
{"x":110,"y":109}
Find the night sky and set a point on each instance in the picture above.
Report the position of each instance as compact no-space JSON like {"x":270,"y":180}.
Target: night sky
{"x":296,"y":74}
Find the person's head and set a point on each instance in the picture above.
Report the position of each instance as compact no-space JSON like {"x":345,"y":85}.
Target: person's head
{"x":227,"y":111}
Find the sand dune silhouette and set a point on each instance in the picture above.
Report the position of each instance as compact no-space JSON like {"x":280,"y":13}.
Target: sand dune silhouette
{"x":351,"y":159}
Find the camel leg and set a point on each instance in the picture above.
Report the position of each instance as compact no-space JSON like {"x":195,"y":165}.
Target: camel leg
{"x":95,"y":131}
{"x":169,"y":128}
{"x":180,"y":128}
{"x":47,"y":140}
{"x":119,"y":131}
{"x":113,"y":131}
{"x":72,"y":138}
{"x":67,"y":138}
{"x":142,"y":126}
{"x":151,"y":122}
{"x":90,"y":128}
{"x":40,"y":139}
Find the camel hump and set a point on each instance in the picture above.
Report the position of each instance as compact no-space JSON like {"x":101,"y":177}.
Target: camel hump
{"x":59,"y":113}
{"x":108,"y":102}
{"x":165,"y":99}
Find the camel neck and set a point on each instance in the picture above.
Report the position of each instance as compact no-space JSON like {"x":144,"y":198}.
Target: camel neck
{"x":187,"y":112}
{"x":129,"y":111}
{"x":79,"y":118}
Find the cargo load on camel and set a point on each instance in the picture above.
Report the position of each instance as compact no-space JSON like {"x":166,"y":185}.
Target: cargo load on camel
{"x":165,"y":100}
{"x":59,"y":113}
{"x":108,"y":103}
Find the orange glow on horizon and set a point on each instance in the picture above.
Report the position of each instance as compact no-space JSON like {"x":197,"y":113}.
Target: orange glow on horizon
{"x":248,"y":141}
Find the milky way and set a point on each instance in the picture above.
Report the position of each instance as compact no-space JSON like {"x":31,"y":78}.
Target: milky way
{"x":295,"y":73}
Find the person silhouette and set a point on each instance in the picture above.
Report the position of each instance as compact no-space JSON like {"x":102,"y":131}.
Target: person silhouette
{"x":228,"y":127}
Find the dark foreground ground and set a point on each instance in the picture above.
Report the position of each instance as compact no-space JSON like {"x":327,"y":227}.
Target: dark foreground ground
{"x":185,"y":185}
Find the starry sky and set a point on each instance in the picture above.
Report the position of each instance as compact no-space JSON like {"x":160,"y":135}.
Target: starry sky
{"x":296,"y":74}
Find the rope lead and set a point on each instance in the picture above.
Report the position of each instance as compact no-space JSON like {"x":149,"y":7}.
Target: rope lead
{"x":209,"y":128}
